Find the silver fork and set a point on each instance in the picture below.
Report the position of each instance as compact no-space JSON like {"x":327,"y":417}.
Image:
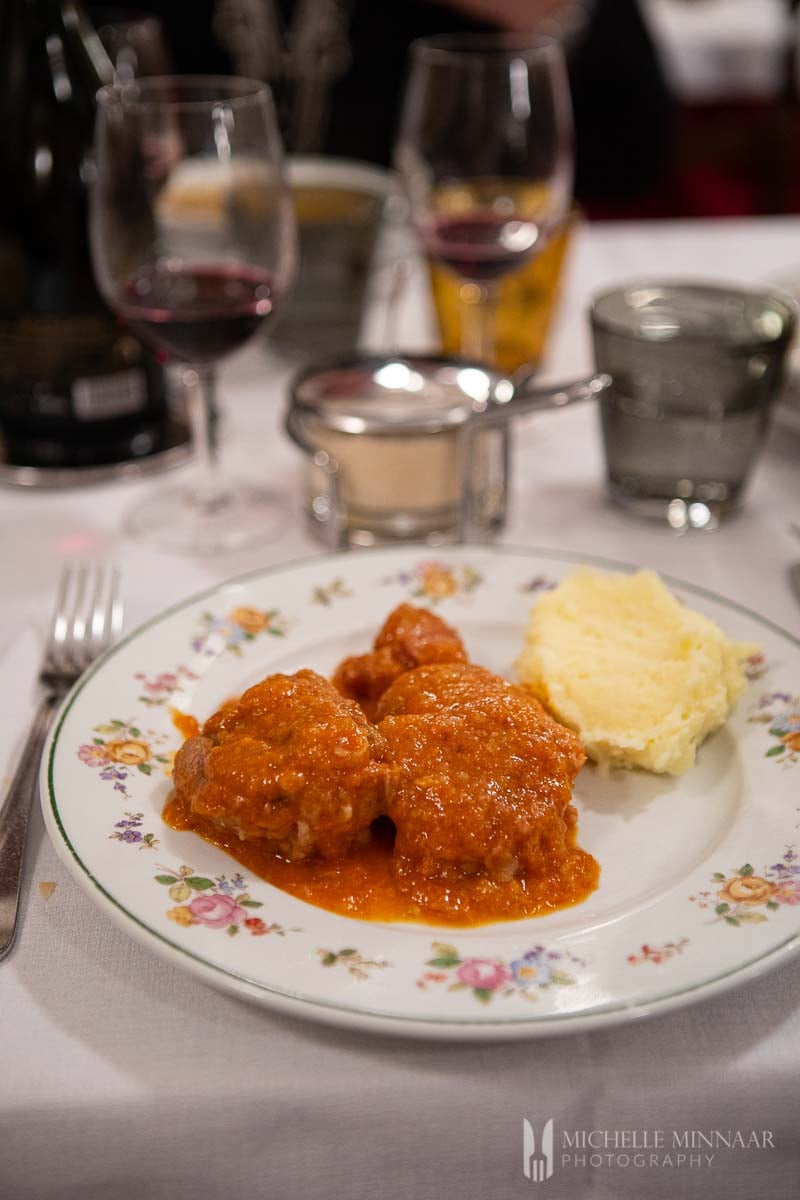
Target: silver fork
{"x":86,"y":620}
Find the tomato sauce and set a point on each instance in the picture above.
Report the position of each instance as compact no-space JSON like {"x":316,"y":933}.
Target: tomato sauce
{"x":186,"y":725}
{"x":363,"y":884}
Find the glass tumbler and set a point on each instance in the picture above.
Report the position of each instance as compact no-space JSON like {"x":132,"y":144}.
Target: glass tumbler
{"x":695,"y":368}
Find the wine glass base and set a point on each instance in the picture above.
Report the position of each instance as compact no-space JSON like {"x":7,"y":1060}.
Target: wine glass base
{"x":184,"y":520}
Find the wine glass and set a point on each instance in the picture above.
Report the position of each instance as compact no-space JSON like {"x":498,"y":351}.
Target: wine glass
{"x":485,"y":154}
{"x":194,"y":245}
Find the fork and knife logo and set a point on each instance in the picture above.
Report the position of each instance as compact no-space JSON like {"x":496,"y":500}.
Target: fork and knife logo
{"x":537,"y":1167}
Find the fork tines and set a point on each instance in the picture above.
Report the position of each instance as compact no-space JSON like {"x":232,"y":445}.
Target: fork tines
{"x":87,"y":616}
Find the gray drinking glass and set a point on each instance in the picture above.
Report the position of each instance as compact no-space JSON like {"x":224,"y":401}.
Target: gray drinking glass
{"x":695,"y":369}
{"x":340,"y":207}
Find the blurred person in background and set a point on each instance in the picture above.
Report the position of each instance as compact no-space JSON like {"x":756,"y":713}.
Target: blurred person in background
{"x":338,"y":68}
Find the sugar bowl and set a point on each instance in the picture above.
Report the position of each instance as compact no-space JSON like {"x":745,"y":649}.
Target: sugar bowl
{"x":411,"y":447}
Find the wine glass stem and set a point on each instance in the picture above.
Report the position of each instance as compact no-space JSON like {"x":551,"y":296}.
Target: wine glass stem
{"x":209,"y":493}
{"x":479,"y":321}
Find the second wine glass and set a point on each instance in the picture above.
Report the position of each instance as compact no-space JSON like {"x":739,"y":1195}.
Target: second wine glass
{"x":194,"y":244}
{"x":485,"y":153}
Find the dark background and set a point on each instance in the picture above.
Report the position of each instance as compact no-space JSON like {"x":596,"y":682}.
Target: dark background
{"x":640,"y":152}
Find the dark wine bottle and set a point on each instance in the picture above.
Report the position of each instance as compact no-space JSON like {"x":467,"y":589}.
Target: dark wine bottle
{"x":77,"y":388}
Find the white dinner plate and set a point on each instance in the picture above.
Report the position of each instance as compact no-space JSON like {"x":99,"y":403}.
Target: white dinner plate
{"x":700,"y":883}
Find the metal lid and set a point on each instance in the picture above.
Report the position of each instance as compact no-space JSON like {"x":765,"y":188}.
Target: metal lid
{"x":393,"y":395}
{"x":665,"y":310}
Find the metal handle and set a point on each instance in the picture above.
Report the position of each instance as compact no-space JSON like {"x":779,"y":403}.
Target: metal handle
{"x":333,"y":521}
{"x":14,"y":821}
{"x":525,"y":398}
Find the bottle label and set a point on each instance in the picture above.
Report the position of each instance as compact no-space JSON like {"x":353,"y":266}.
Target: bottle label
{"x":104,"y":397}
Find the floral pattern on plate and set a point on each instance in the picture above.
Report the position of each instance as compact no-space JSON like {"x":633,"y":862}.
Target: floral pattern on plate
{"x":357,"y":965}
{"x":129,"y":831}
{"x":658,"y":954}
{"x":157,"y":689}
{"x":235,"y":629}
{"x":755,"y":666}
{"x":120,"y":748}
{"x":743,"y":895}
{"x":436,"y":581}
{"x":528,"y":975}
{"x":325,"y":594}
{"x":780,"y":711}
{"x":218,"y":903}
{"x":539,"y":583}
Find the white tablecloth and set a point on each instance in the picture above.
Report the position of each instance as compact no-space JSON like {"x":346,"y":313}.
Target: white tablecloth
{"x":723,"y":49}
{"x":122,"y":1077}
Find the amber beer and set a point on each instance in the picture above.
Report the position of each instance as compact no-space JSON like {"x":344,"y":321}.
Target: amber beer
{"x":525,"y":306}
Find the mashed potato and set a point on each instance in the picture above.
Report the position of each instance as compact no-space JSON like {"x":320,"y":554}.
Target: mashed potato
{"x":639,"y":676}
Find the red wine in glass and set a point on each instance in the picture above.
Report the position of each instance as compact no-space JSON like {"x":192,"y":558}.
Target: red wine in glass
{"x":485,"y":154}
{"x":196,"y":313}
{"x":480,"y":245}
{"x":195,"y":290}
